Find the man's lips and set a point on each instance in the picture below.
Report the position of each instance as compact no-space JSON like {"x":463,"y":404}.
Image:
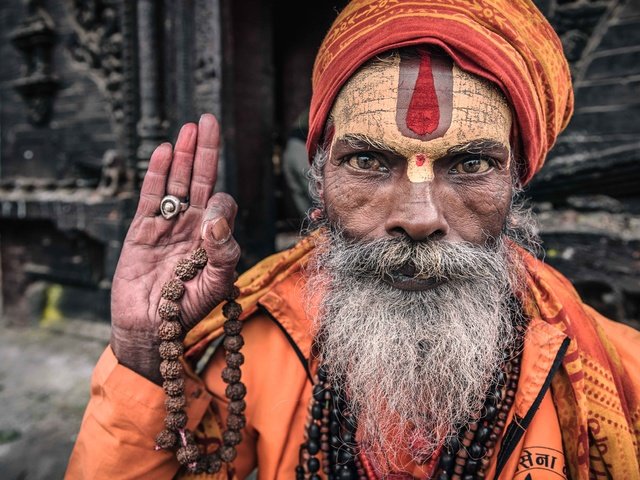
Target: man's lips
{"x":404,"y":282}
{"x":405,"y":279}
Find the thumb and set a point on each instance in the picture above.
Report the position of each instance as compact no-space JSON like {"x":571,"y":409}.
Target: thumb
{"x":222,"y":249}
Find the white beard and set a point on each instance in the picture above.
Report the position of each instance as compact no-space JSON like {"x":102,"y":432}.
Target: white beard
{"x":408,"y":359}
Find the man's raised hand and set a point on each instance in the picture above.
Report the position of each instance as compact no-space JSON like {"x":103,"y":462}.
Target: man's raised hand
{"x":154,"y":245}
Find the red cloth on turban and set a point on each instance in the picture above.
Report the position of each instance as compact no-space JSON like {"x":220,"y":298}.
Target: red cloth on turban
{"x":508,"y":42}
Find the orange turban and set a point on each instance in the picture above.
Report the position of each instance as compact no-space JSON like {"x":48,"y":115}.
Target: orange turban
{"x":508,"y":42}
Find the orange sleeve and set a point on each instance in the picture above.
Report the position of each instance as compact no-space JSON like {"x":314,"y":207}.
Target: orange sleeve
{"x":123,"y":416}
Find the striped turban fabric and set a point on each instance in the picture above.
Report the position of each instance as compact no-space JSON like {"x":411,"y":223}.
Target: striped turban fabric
{"x":508,"y":42}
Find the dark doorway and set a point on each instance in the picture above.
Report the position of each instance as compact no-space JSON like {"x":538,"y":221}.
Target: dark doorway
{"x":269,"y":48}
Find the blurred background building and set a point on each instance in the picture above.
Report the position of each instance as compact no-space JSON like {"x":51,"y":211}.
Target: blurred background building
{"x":89,"y":87}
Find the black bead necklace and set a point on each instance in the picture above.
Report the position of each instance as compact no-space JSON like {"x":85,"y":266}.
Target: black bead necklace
{"x":467,"y":455}
{"x":330,"y":437}
{"x":331,"y":429}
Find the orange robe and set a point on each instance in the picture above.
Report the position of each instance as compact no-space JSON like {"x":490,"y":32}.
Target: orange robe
{"x":544,"y":428}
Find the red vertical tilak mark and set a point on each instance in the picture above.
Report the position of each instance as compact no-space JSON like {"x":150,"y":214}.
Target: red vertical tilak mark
{"x":423,"y":114}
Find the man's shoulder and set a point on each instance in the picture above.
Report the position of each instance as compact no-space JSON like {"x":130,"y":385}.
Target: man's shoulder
{"x":286,"y":307}
{"x":274,"y":336}
{"x":556,"y":298}
{"x":624,"y":337}
{"x":273,"y":285}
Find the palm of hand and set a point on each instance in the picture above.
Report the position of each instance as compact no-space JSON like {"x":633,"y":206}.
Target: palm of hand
{"x":151,"y":250}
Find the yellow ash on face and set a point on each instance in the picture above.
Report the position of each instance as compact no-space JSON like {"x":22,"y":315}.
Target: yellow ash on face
{"x":420,"y":168}
{"x":366,"y":107}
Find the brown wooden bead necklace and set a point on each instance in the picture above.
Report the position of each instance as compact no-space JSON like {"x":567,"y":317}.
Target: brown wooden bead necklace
{"x":330,"y":434}
{"x":176,"y":436}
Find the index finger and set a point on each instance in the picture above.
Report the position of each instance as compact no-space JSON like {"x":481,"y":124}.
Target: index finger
{"x":154,"y":182}
{"x":205,"y":165}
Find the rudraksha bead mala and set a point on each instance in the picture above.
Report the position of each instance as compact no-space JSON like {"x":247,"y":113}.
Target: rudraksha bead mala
{"x":176,"y":436}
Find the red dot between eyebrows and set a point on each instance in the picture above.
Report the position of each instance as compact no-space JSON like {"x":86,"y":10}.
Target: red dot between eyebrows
{"x":420,"y":159}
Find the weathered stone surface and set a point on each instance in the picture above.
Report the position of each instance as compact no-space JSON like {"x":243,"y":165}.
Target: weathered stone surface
{"x":588,"y":190}
{"x":44,"y":388}
{"x":595,"y":241}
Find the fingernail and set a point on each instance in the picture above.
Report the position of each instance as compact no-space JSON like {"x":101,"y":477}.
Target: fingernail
{"x":220,"y":230}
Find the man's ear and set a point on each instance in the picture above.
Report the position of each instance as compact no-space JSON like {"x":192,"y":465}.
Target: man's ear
{"x":320,"y":191}
{"x":316,"y":214}
{"x":327,"y":134}
{"x":517,"y":163}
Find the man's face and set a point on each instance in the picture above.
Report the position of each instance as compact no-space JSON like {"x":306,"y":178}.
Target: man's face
{"x":419,"y":148}
{"x":412,"y":329}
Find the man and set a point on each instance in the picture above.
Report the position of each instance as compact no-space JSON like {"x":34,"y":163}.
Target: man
{"x":410,"y":334}
{"x":295,"y":164}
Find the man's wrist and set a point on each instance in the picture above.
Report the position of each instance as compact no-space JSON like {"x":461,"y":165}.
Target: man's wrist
{"x":138,"y":351}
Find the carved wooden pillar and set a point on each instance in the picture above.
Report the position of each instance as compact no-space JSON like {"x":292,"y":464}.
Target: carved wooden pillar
{"x":130,"y":84}
{"x":152,"y":127}
{"x":35,"y":38}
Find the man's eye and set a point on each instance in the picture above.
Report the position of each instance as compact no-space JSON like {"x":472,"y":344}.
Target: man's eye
{"x":366,"y":162}
{"x":473,"y":165}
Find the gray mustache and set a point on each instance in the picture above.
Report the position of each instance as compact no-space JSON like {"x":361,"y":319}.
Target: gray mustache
{"x":434,"y":259}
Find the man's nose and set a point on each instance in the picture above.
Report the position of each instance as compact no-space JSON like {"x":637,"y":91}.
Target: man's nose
{"x":417,"y":213}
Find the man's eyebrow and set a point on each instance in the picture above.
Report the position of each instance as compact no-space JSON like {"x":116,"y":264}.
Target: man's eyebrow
{"x":359,"y":141}
{"x":363,"y":142}
{"x":479,"y":146}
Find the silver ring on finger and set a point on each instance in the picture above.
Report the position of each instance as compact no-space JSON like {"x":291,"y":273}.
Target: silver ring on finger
{"x":170,"y":206}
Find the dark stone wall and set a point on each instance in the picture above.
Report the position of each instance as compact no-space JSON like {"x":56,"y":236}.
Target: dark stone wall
{"x":75,"y":134}
{"x":72,"y":143}
{"x":62,"y":220}
{"x":587,"y":195}
{"x":598,"y":154}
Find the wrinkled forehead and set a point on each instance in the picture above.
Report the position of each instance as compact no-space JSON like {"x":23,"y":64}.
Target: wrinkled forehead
{"x":409,"y":102}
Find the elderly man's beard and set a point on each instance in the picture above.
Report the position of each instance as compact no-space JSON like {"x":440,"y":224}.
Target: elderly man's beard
{"x":412,"y":365}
